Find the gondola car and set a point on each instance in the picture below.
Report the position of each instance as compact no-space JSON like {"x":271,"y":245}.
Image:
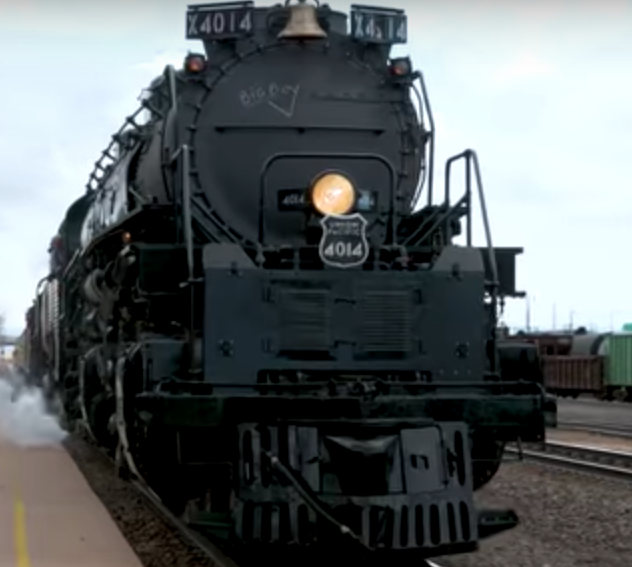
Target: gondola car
{"x":253,"y":316}
{"x":584,"y":363}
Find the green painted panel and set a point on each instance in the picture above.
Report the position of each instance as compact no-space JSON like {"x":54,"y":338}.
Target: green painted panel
{"x":619,"y":360}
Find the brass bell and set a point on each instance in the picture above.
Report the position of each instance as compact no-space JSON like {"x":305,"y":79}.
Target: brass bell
{"x":303,"y":23}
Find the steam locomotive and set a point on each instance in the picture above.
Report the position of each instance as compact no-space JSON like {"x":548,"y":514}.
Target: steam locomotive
{"x":247,"y":309}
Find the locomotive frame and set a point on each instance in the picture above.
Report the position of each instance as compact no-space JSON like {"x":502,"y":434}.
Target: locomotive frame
{"x":351,"y":401}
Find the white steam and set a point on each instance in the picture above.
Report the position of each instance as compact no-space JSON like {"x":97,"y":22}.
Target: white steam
{"x":23,"y":418}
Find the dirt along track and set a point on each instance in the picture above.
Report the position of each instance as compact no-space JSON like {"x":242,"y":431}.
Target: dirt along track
{"x":568,"y":518}
{"x":590,"y":411}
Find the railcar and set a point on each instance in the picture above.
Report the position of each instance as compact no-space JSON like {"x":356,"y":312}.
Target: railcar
{"x":259,"y":305}
{"x":584,"y":363}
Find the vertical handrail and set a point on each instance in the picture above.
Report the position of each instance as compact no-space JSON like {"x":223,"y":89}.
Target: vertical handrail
{"x":486,"y":225}
{"x":182,"y":154}
{"x":169,"y":74}
{"x":468,"y":196}
{"x":182,"y":159}
{"x":173,"y":92}
{"x":186,"y":207}
{"x":187,"y":222}
{"x":471,"y":157}
{"x":431,"y":144}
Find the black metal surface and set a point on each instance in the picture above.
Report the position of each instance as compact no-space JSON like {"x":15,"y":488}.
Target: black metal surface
{"x":344,"y":321}
{"x":414,"y":496}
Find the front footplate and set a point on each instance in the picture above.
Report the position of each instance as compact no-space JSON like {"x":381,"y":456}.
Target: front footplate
{"x":383,"y":485}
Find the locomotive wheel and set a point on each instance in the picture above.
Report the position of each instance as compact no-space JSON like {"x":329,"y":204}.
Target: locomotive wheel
{"x":486,"y":458}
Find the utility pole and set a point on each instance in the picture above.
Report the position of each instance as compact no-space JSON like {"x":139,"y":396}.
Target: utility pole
{"x":527,"y":315}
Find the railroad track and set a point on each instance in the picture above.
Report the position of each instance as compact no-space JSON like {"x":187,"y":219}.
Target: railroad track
{"x":603,"y":462}
{"x":606,"y":429}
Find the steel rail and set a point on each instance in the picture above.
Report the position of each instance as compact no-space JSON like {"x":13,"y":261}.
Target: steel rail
{"x":605,"y":429}
{"x":614,"y":464}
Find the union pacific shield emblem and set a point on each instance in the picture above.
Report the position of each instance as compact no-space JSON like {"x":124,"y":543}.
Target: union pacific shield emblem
{"x":343,"y":243}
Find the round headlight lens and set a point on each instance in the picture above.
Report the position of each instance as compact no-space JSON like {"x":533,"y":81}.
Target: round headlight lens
{"x":333,"y":194}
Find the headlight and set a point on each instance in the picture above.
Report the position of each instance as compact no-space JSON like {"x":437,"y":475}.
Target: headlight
{"x":333,"y":194}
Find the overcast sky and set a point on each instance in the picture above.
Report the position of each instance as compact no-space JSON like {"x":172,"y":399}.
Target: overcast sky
{"x":542,"y":89}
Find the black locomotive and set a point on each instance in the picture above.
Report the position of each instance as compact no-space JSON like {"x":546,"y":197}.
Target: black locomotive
{"x":246,"y":308}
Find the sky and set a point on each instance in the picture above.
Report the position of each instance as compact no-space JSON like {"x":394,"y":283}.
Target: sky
{"x":541,"y":89}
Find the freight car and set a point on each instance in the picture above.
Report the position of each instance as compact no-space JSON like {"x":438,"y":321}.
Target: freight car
{"x":36,"y":349}
{"x":247,"y":310}
{"x":599,"y":364}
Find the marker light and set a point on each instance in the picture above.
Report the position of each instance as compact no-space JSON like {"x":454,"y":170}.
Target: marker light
{"x":194,"y":63}
{"x":400,"y":67}
{"x":333,"y":194}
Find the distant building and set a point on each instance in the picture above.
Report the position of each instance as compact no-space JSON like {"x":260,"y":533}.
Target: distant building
{"x":6,"y":352}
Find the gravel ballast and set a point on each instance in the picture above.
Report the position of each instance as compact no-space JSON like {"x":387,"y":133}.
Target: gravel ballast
{"x":567,"y":519}
{"x":155,"y":542}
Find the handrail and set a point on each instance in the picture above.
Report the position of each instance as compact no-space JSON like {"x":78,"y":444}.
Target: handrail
{"x":424,"y":101}
{"x":186,"y":208}
{"x":471,"y":157}
{"x":182,"y":154}
{"x":107,"y":158}
{"x":436,"y":213}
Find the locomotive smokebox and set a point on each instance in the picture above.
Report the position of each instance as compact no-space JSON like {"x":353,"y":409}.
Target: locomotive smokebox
{"x":264,"y":119}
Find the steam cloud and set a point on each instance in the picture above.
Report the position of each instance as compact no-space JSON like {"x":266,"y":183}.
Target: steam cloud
{"x":23,"y":418}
